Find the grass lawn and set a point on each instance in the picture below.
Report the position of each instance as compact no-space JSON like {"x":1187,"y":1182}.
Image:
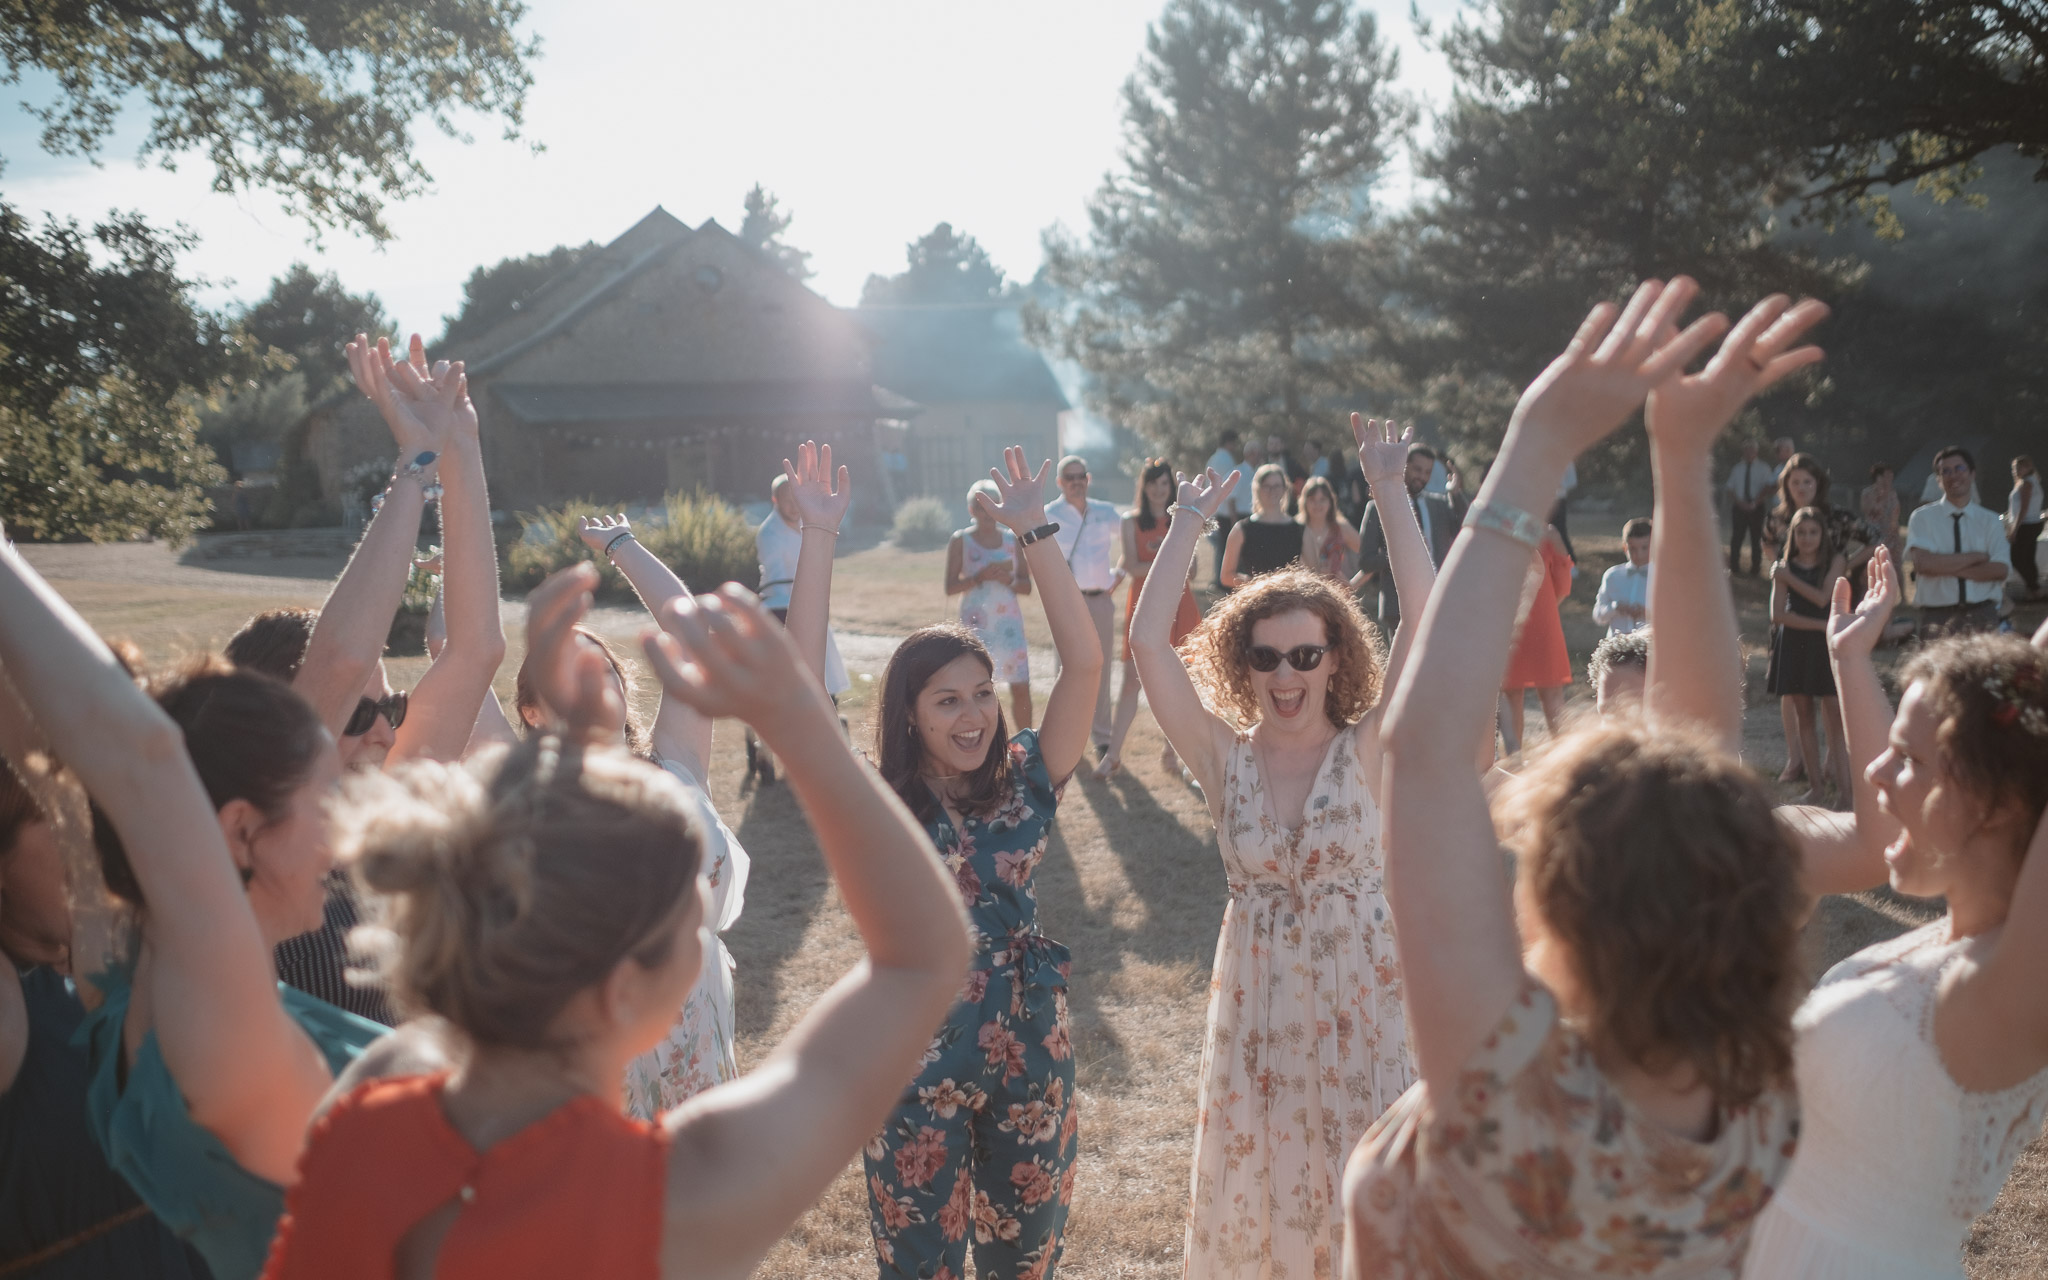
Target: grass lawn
{"x":1130,"y":882}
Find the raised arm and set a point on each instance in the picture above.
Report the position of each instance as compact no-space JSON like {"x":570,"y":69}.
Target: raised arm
{"x":1844,"y":853}
{"x":447,"y":698}
{"x":821,"y":502}
{"x":1696,"y":663}
{"x":1383,"y":456}
{"x":1070,"y":709}
{"x":680,"y":732}
{"x":355,"y":621}
{"x":248,"y":1074}
{"x":1199,"y":736}
{"x":1444,"y":879}
{"x":1992,"y":1021}
{"x":751,"y":1156}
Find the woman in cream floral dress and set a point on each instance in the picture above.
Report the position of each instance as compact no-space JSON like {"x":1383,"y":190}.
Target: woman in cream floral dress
{"x":1306,"y":1041}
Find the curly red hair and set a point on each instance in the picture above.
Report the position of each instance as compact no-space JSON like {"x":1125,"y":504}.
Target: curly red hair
{"x":1217,"y":654}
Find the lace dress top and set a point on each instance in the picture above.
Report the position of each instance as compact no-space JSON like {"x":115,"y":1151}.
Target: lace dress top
{"x":1896,"y":1159}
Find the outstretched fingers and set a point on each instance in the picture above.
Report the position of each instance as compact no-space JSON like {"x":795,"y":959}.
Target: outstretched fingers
{"x":1622,"y":334}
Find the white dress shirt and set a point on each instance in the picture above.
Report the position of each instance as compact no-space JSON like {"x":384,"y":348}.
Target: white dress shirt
{"x":1223,"y":464}
{"x":779,"y":543}
{"x":1090,"y":540}
{"x":1623,"y":584}
{"x":1935,"y":527}
{"x":1750,"y":481}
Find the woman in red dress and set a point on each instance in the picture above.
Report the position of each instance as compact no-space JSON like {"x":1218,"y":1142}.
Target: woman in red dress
{"x":1144,"y":530}
{"x":1540,"y":660}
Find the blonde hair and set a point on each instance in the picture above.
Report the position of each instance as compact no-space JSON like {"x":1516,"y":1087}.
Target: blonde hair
{"x":1217,"y":654}
{"x":501,"y":889}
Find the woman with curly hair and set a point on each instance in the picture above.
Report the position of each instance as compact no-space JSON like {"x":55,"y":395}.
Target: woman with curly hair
{"x":1273,"y":705}
{"x":1943,"y":1031}
{"x":1605,"y":1047}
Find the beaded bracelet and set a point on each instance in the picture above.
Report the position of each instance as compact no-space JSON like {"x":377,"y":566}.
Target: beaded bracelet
{"x":1209,"y":524}
{"x":1512,"y":521}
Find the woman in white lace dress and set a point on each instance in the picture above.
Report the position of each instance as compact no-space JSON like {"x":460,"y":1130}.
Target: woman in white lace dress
{"x":1923,"y":1061}
{"x":1306,"y":1044}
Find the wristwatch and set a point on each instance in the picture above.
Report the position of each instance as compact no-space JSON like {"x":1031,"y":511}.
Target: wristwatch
{"x":1045,"y":530}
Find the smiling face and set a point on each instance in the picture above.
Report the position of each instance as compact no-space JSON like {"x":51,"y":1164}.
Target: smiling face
{"x":1159,"y":492}
{"x":368,"y":750}
{"x":1074,"y":482}
{"x":1420,"y":467}
{"x":1315,"y":504}
{"x":1935,"y":814}
{"x":1956,"y":478}
{"x":1806,"y":539}
{"x":954,"y":717}
{"x":288,"y":855}
{"x":1286,"y":696}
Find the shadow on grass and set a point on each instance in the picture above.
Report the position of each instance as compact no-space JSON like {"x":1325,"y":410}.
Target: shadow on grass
{"x":786,"y":886}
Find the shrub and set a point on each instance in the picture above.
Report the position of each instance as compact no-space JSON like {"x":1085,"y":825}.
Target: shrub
{"x":704,"y":539}
{"x":922,"y":524}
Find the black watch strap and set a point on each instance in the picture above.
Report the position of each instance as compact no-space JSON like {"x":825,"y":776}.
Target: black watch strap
{"x":1043,"y":531}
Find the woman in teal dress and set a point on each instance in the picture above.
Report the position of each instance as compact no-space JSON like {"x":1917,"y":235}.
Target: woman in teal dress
{"x":981,"y":1146}
{"x":211,"y":834}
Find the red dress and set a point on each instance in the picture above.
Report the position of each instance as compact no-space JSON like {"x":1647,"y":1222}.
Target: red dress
{"x":577,"y":1192}
{"x":1540,"y":659}
{"x":1190,"y":615}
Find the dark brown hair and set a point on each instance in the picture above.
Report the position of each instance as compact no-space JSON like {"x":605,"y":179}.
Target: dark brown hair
{"x":1639,"y":527}
{"x":1217,"y":654}
{"x":1991,"y":695}
{"x":899,"y":749}
{"x":274,"y":642}
{"x":1827,"y":536}
{"x":1656,"y":866}
{"x":1812,"y":466}
{"x":1154,"y":468}
{"x":525,"y":698}
{"x":1322,"y":485}
{"x":249,"y":738}
{"x":503,"y":888}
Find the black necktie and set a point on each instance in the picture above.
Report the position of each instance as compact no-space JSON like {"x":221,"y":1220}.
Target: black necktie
{"x":1748,"y":482}
{"x":1962,"y":584}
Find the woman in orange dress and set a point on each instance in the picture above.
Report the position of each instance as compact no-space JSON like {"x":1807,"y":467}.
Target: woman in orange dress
{"x":1540,"y":660}
{"x":1144,"y":531}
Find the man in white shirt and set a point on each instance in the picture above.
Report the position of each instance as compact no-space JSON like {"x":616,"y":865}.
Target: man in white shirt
{"x":1222,"y":462}
{"x":1090,"y":537}
{"x":1623,"y":604}
{"x":1749,"y":488}
{"x":1958,"y":551}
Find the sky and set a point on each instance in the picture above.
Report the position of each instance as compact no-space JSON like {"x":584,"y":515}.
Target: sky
{"x":871,"y":121}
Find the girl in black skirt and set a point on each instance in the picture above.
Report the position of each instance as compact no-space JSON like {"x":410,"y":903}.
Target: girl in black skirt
{"x":1802,"y":584}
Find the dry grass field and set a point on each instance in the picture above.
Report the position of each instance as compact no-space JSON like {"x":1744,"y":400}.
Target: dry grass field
{"x":1130,"y":883}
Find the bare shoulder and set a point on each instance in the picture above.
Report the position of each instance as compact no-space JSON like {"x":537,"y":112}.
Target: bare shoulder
{"x":415,"y":1048}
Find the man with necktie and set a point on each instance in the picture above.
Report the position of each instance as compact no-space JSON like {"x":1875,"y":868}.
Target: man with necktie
{"x":1440,"y":515}
{"x":1958,"y":551}
{"x":1750,"y":486}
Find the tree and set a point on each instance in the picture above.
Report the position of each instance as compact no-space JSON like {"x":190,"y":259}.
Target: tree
{"x":311,"y":318}
{"x":494,"y":294}
{"x":1225,"y":279}
{"x":944,"y":267}
{"x":763,"y":228}
{"x":311,"y":100}
{"x":105,"y":464}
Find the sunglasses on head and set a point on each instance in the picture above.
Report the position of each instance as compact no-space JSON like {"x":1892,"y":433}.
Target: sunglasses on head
{"x":1302,"y":657}
{"x":391,"y":707}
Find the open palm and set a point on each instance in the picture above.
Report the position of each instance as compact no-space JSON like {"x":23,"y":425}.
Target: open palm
{"x":821,"y":496}
{"x":1382,"y":447}
{"x":1857,"y":631}
{"x":1205,"y":493}
{"x":1019,"y":504}
{"x":1690,"y":410}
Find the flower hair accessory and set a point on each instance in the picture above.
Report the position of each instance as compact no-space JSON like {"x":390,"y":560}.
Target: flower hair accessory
{"x":2017,"y":692}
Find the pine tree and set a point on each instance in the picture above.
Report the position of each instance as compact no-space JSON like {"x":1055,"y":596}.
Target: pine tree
{"x":1225,"y":279}
{"x":943,"y":267}
{"x":763,"y":227}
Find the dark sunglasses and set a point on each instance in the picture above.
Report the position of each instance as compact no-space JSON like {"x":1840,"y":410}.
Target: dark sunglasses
{"x":1302,"y":657}
{"x":367,"y":710}
{"x":1073,"y":477}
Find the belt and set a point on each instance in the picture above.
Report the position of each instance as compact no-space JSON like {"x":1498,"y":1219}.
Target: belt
{"x":1959,"y":608}
{"x":1102,"y":592}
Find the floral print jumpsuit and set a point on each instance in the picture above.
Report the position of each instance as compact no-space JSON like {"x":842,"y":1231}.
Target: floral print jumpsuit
{"x":982,"y":1143}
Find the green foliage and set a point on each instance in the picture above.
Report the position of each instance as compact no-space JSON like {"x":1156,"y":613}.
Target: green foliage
{"x":313,"y":100}
{"x":105,"y":465}
{"x":420,"y":588}
{"x":922,"y":524}
{"x":1225,"y":280}
{"x":704,"y":539}
{"x":763,"y":228}
{"x":310,"y":318}
{"x":944,"y":267}
{"x":494,"y":294}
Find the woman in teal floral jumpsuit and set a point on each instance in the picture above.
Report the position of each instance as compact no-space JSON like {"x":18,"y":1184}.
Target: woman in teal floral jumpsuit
{"x":981,"y":1146}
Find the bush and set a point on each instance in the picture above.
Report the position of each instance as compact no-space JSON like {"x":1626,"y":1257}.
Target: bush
{"x":922,"y":524}
{"x":704,"y":539}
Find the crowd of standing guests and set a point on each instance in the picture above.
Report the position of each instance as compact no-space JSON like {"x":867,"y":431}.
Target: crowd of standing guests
{"x":1413,"y":1067}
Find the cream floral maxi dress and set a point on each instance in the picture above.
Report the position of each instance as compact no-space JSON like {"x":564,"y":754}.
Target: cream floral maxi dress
{"x":1306,"y":1042}
{"x":698,"y":1050}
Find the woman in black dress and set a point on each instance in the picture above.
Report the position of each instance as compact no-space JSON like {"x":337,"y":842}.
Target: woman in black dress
{"x":1269,"y":539}
{"x":1802,"y":584}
